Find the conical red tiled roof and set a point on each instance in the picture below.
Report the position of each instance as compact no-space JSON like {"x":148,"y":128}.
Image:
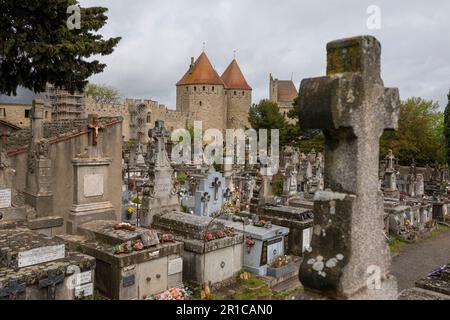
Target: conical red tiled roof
{"x":201,"y":72}
{"x":233,"y":77}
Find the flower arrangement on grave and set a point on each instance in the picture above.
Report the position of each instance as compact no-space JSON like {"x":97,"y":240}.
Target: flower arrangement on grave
{"x":128,"y":247}
{"x":408,"y":226}
{"x":220,"y":234}
{"x":166,"y":237}
{"x":172,"y":294}
{"x":210,"y":237}
{"x":260,"y":223}
{"x":281,"y":261}
{"x":230,"y":232}
{"x":228,"y":209}
{"x":249,"y":242}
{"x":124,"y":226}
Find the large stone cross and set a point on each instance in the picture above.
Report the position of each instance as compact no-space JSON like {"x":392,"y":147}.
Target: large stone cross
{"x":349,"y":256}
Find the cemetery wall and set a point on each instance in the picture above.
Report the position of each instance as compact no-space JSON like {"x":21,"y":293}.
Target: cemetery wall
{"x":61,"y":152}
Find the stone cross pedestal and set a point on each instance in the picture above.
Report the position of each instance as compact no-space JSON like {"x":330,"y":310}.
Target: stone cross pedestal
{"x":349,"y":258}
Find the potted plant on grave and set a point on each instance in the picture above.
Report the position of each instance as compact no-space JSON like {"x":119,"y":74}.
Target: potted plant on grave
{"x":130,"y":213}
{"x":281,"y":266}
{"x":260,"y":223}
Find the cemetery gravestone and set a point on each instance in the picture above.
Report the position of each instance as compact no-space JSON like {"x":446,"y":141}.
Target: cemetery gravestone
{"x":352,"y":107}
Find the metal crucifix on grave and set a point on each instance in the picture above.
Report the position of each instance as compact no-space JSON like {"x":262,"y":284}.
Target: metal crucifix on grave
{"x":54,"y":277}
{"x":12,"y":291}
{"x":353,"y":108}
{"x":94,"y":126}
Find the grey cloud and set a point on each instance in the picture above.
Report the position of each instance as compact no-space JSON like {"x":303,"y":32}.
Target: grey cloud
{"x":279,"y":37}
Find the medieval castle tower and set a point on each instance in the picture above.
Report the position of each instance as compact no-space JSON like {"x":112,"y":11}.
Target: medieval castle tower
{"x":221,"y":102}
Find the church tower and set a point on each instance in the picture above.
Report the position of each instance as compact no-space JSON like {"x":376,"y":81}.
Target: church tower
{"x":201,"y":91}
{"x":238,"y":96}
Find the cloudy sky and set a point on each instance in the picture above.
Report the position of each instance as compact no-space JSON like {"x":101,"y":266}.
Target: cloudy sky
{"x":282,"y":37}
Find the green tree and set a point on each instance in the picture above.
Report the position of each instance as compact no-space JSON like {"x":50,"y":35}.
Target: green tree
{"x":419,"y":135}
{"x":103,"y":94}
{"x":266,"y":115}
{"x":446,"y":129}
{"x":37,"y":47}
{"x":305,"y":140}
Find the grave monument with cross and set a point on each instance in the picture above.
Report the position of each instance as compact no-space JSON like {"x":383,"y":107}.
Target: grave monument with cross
{"x":91,"y":174}
{"x":161,"y":195}
{"x":349,"y":257}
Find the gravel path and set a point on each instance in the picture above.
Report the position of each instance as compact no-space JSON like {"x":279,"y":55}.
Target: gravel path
{"x":418,"y":259}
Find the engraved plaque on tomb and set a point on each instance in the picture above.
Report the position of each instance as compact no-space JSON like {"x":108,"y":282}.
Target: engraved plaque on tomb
{"x":41,"y":255}
{"x":84,"y":290}
{"x":175,"y":266}
{"x":93,"y":185}
{"x":128,"y":281}
{"x":84,"y":277}
{"x":5,"y":198}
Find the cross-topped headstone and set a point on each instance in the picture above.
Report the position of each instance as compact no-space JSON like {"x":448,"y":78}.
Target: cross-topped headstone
{"x":54,"y":277}
{"x":13,"y":290}
{"x":94,"y":126}
{"x":390,"y":161}
{"x":216,"y":185}
{"x":205,"y":199}
{"x":349,"y":255}
{"x":160,"y":134}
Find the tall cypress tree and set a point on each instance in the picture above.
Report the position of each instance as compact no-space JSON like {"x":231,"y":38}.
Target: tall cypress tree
{"x":447,"y":127}
{"x":37,"y":45}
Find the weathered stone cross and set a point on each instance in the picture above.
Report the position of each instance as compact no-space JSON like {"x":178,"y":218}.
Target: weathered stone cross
{"x":216,"y":185}
{"x":95,"y":125}
{"x":12,"y":291}
{"x":205,"y":199}
{"x":159,"y":133}
{"x":54,"y":277}
{"x":349,"y":257}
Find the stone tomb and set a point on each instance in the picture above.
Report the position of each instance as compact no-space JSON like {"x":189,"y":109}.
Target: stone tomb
{"x":437,"y":281}
{"x":35,"y":267}
{"x":298,"y":220}
{"x":134,"y":275}
{"x":268,"y":244}
{"x":440,"y":210}
{"x":215,"y":261}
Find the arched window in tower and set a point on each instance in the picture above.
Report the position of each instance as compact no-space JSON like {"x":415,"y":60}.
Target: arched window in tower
{"x":187,"y":89}
{"x":212,"y":88}
{"x":234,"y":92}
{"x":204,"y":88}
{"x":149,"y":117}
{"x":243,"y":93}
{"x":200,"y":103}
{"x":195,"y":88}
